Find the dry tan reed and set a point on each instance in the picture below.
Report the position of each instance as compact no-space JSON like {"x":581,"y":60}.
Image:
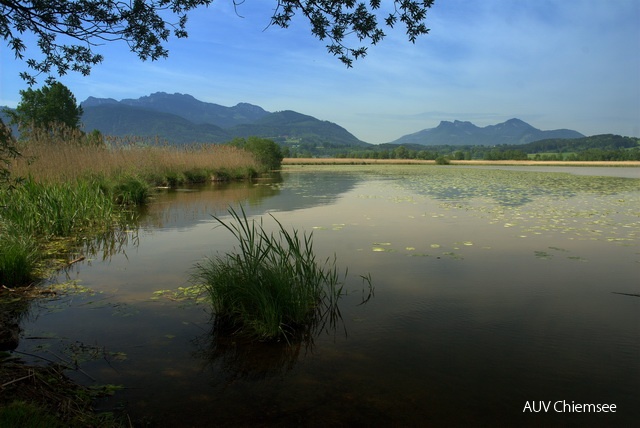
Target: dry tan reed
{"x":67,"y":155}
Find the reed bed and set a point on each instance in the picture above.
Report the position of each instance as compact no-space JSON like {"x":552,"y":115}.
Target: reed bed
{"x":36,"y":215}
{"x":70,"y":184}
{"x":273,"y":286}
{"x":70,"y":155}
{"x":57,"y":210}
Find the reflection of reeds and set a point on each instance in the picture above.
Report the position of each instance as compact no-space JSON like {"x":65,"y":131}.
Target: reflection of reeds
{"x":274,"y":286}
{"x":179,"y":208}
{"x":246,"y":359}
{"x":112,"y":242}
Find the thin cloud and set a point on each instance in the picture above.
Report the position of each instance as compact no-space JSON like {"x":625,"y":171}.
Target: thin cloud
{"x":552,"y":63}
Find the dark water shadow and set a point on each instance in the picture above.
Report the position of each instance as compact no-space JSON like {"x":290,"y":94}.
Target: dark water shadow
{"x":230,"y":357}
{"x":16,"y":304}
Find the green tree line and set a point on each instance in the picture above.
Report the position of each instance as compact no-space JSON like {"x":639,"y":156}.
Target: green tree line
{"x":607,"y":147}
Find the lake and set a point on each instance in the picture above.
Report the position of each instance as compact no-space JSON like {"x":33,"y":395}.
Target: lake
{"x":497,"y":291}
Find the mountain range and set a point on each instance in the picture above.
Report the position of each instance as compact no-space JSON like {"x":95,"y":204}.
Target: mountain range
{"x":182,"y":119}
{"x":458,"y":133}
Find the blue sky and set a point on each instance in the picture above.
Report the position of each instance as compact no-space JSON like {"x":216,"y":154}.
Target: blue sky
{"x":552,"y":63}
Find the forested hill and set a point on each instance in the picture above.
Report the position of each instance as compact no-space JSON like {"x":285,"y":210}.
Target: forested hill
{"x":607,"y":147}
{"x":560,"y":145}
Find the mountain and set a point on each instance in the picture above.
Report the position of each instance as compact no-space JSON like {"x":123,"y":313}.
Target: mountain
{"x":290,"y":126}
{"x":187,"y":107}
{"x":182,"y":119}
{"x":458,"y":133}
{"x":123,"y":120}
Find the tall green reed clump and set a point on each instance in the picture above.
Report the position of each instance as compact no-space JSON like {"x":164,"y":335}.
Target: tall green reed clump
{"x":131,"y":191}
{"x":57,"y":210}
{"x":18,"y":256}
{"x":273,"y":287}
{"x":32,"y":214}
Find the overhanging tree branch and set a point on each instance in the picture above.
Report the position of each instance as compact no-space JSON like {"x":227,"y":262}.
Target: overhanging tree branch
{"x":68,"y":31}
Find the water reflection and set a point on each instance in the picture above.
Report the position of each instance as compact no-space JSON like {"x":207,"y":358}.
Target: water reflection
{"x":184,"y":207}
{"x":12,"y":313}
{"x":483,"y":301}
{"x":232,"y":358}
{"x":505,"y":187}
{"x":108,"y":244}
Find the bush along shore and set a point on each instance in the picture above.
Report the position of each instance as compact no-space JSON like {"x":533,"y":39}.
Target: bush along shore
{"x":59,"y":190}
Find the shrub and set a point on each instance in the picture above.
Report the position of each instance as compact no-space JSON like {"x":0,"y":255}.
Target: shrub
{"x":273,"y":287}
{"x":441,"y":160}
{"x":131,"y":191}
{"x":265,"y":151}
{"x":196,"y":175}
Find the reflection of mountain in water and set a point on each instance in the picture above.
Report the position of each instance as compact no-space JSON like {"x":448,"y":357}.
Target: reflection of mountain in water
{"x":300,"y":190}
{"x":181,"y":208}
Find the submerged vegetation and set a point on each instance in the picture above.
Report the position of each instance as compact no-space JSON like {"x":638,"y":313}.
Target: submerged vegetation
{"x":273,"y":287}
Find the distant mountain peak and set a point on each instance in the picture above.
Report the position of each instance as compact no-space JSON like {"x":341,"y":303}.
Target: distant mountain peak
{"x":92,"y":101}
{"x":464,"y":133}
{"x":188,"y":107}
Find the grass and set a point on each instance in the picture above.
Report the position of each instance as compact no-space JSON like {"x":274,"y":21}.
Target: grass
{"x":22,"y":414}
{"x":272,"y":287}
{"x":130,"y":191}
{"x":18,"y":256}
{"x":57,"y":210}
{"x":36,"y":215}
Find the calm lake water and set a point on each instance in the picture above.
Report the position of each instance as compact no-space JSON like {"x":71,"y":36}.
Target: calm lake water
{"x":495,"y":288}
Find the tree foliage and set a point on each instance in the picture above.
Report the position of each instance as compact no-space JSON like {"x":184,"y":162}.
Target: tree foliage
{"x":607,"y":147}
{"x":8,"y":151}
{"x":68,"y":33}
{"x":43,"y":108}
{"x":337,"y":20}
{"x":266,"y":151}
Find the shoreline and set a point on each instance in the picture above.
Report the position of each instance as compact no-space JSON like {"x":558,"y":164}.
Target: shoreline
{"x":355,"y":161}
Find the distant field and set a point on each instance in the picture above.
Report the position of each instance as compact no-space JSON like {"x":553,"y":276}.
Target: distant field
{"x":337,"y":161}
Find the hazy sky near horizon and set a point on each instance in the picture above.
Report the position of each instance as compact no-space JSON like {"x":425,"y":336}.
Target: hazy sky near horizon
{"x":552,"y":63}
